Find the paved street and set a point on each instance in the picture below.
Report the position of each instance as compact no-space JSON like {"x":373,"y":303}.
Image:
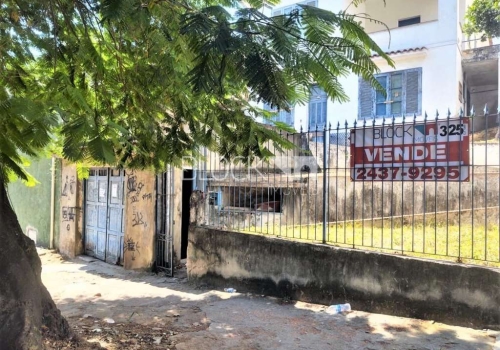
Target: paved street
{"x":178,"y":315}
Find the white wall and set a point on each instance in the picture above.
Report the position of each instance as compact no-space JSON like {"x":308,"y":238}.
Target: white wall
{"x":429,"y":34}
{"x":393,"y":11}
{"x":440,"y":78}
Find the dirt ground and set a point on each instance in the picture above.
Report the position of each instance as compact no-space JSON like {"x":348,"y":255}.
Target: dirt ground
{"x":112,"y":308}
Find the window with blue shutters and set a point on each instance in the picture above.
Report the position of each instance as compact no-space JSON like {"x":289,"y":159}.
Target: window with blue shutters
{"x":403,"y":95}
{"x":282,"y":116}
{"x":317,"y":108}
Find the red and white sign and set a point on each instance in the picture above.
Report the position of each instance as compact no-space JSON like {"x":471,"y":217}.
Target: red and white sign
{"x":434,"y":151}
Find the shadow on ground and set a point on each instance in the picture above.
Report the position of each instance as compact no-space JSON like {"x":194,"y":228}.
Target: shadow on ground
{"x":196,"y":317}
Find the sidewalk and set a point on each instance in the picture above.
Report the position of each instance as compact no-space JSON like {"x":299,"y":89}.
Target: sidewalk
{"x":154,"y":312}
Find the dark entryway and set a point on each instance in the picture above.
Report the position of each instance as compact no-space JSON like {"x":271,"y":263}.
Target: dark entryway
{"x":187,"y":190}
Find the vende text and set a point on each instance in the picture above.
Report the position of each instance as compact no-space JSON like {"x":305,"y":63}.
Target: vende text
{"x":404,"y":154}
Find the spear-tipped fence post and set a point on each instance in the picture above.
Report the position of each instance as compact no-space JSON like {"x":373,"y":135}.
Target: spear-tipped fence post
{"x":325,"y":183}
{"x":486,"y":110}
{"x":497,"y":136}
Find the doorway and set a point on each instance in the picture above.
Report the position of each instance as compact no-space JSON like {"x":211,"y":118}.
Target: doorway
{"x":187,"y":190}
{"x":104,"y":219}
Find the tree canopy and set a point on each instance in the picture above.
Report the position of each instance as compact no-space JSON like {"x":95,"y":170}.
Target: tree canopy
{"x":483,"y":17}
{"x":133,"y":83}
{"x":143,"y":83}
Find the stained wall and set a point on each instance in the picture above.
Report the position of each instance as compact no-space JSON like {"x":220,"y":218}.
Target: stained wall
{"x":139,"y":219}
{"x":71,"y":212}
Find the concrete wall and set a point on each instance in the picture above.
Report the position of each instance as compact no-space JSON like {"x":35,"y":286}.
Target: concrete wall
{"x":445,"y":292}
{"x":32,"y":204}
{"x":139,"y":219}
{"x":71,"y":218}
{"x":177,"y":212}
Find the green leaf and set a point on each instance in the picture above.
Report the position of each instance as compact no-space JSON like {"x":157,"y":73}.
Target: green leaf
{"x":102,"y":151}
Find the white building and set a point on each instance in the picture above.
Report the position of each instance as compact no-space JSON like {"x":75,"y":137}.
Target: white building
{"x":436,"y":67}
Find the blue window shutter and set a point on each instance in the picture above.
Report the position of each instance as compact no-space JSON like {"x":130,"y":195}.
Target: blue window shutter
{"x":413,"y":91}
{"x":290,"y":117}
{"x":267,"y":108}
{"x":317,"y":107}
{"x":365,"y":100}
{"x":281,"y":116}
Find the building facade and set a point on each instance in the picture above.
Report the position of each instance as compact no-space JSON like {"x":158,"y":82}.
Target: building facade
{"x":436,"y":66}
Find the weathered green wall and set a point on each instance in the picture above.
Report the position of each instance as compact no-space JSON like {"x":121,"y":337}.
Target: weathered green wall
{"x":32,"y":204}
{"x":57,"y":209}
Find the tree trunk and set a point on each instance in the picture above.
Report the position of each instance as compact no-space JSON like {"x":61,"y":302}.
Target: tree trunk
{"x":27,"y":311}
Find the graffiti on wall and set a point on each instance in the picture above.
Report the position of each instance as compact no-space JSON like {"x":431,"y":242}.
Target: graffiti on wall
{"x":139,"y":197}
{"x":136,"y":195}
{"x":68,"y":213}
{"x":131,"y":246}
{"x":69,"y":186}
{"x":134,"y":188}
{"x":131,"y":182}
{"x":137,"y":219}
{"x":68,"y":208}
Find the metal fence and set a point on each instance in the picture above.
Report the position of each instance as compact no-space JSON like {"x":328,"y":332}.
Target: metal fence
{"x":164,"y":249}
{"x":434,"y":192}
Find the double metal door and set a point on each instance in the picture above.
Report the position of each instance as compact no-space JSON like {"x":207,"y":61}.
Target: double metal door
{"x":104,"y":215}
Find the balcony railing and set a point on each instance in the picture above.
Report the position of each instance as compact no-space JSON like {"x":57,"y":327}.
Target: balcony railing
{"x":476,"y":41}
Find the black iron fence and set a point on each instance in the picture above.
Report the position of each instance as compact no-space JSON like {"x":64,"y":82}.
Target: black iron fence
{"x":164,"y":249}
{"x":425,"y":186}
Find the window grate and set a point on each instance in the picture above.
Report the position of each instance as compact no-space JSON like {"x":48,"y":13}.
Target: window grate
{"x":409,"y":21}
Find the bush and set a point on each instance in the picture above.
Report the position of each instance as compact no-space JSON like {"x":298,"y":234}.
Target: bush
{"x":483,"y":16}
